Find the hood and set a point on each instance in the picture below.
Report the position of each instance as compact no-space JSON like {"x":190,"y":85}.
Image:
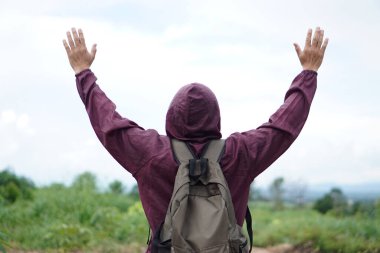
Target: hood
{"x":194,"y":115}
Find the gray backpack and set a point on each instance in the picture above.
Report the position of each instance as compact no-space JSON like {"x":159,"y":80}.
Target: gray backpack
{"x":200,"y":216}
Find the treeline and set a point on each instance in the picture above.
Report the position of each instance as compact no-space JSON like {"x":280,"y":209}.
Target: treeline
{"x":334,"y":202}
{"x":80,"y":217}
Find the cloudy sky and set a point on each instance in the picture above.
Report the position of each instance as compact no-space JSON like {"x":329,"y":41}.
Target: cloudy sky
{"x":148,"y":49}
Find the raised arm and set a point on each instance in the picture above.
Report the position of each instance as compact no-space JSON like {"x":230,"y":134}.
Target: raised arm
{"x":131,"y":145}
{"x":269,"y":141}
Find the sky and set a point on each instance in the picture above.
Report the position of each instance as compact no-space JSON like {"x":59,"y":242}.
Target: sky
{"x":147,"y":50}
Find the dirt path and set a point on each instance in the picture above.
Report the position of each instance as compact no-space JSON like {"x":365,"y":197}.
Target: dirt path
{"x":284,"y":248}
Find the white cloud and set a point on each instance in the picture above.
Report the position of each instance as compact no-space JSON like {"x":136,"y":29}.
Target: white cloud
{"x":10,"y":120}
{"x":15,"y":130}
{"x":8,"y":117}
{"x":23,"y":121}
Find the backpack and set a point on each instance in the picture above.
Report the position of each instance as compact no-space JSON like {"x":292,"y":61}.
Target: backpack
{"x":200,"y":217}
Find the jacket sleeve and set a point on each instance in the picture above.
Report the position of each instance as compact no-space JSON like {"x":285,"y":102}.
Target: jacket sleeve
{"x":255,"y":150}
{"x":127,"y":142}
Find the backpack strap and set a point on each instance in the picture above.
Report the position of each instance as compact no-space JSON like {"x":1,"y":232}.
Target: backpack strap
{"x":214,"y":150}
{"x":214,"y":153}
{"x":248,"y":220}
{"x":181,"y":151}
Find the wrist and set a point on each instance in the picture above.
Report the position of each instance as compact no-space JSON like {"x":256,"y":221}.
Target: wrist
{"x":310,"y":68}
{"x":79,"y":69}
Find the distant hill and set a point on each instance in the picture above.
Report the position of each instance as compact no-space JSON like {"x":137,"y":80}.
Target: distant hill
{"x":355,"y":192}
{"x":364,"y":191}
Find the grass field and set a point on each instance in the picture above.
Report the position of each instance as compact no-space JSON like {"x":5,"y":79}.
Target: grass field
{"x":65,"y":219}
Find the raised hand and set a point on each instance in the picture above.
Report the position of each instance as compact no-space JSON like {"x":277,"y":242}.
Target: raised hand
{"x":311,"y":56}
{"x":80,"y":58}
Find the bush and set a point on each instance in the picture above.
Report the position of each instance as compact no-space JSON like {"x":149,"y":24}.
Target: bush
{"x":85,"y":182}
{"x":2,"y":242}
{"x":363,"y":209}
{"x":334,"y":202}
{"x":68,"y":218}
{"x":137,"y":227}
{"x":13,"y":187}
{"x":325,"y":233}
{"x":107,"y":220}
{"x":325,"y":204}
{"x":67,"y":237}
{"x":116,"y":187}
{"x":63,"y":219}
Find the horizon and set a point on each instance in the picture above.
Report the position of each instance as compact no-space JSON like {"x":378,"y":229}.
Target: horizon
{"x":320,"y":188}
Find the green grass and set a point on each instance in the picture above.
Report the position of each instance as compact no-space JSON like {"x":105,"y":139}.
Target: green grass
{"x":325,"y":233}
{"x":64,"y":219}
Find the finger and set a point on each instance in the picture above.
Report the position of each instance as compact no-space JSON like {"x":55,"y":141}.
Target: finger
{"x":316,"y":37}
{"x":324,"y":46}
{"x":76,"y":37}
{"x":93,"y":50}
{"x":81,"y":37}
{"x":70,"y":40}
{"x":298,"y":49}
{"x":320,"y":40}
{"x":308,"y":38}
{"x":66,"y":46}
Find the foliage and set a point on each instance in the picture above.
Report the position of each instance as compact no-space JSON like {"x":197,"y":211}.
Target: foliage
{"x":2,"y":242}
{"x":85,"y":182}
{"x":80,"y":218}
{"x":334,"y":201}
{"x":326,"y":233}
{"x":364,"y":208}
{"x":13,"y":187}
{"x":137,"y":225}
{"x":69,"y":218}
{"x":67,"y":236}
{"x":325,"y":204}
{"x":116,"y":187}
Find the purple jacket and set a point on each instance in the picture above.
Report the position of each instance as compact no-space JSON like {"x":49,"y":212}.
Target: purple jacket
{"x":194,"y":116}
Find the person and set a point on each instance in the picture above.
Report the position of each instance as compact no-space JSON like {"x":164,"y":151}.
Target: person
{"x":194,"y":117}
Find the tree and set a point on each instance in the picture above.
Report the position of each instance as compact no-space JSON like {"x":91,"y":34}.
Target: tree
{"x":296,"y":192}
{"x":116,"y":187}
{"x":334,"y":201}
{"x":277,"y":192}
{"x":13,"y":187}
{"x":324,"y":204}
{"x":85,"y":182}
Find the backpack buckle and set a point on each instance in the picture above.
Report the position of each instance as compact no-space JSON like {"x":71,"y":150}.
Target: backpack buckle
{"x":197,"y":168}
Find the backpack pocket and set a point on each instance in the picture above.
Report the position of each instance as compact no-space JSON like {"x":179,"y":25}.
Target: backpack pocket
{"x":200,"y":222}
{"x":238,"y":246}
{"x":223,"y":248}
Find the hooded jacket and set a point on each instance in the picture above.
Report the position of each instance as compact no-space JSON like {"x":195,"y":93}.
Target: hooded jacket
{"x":193,"y":116}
